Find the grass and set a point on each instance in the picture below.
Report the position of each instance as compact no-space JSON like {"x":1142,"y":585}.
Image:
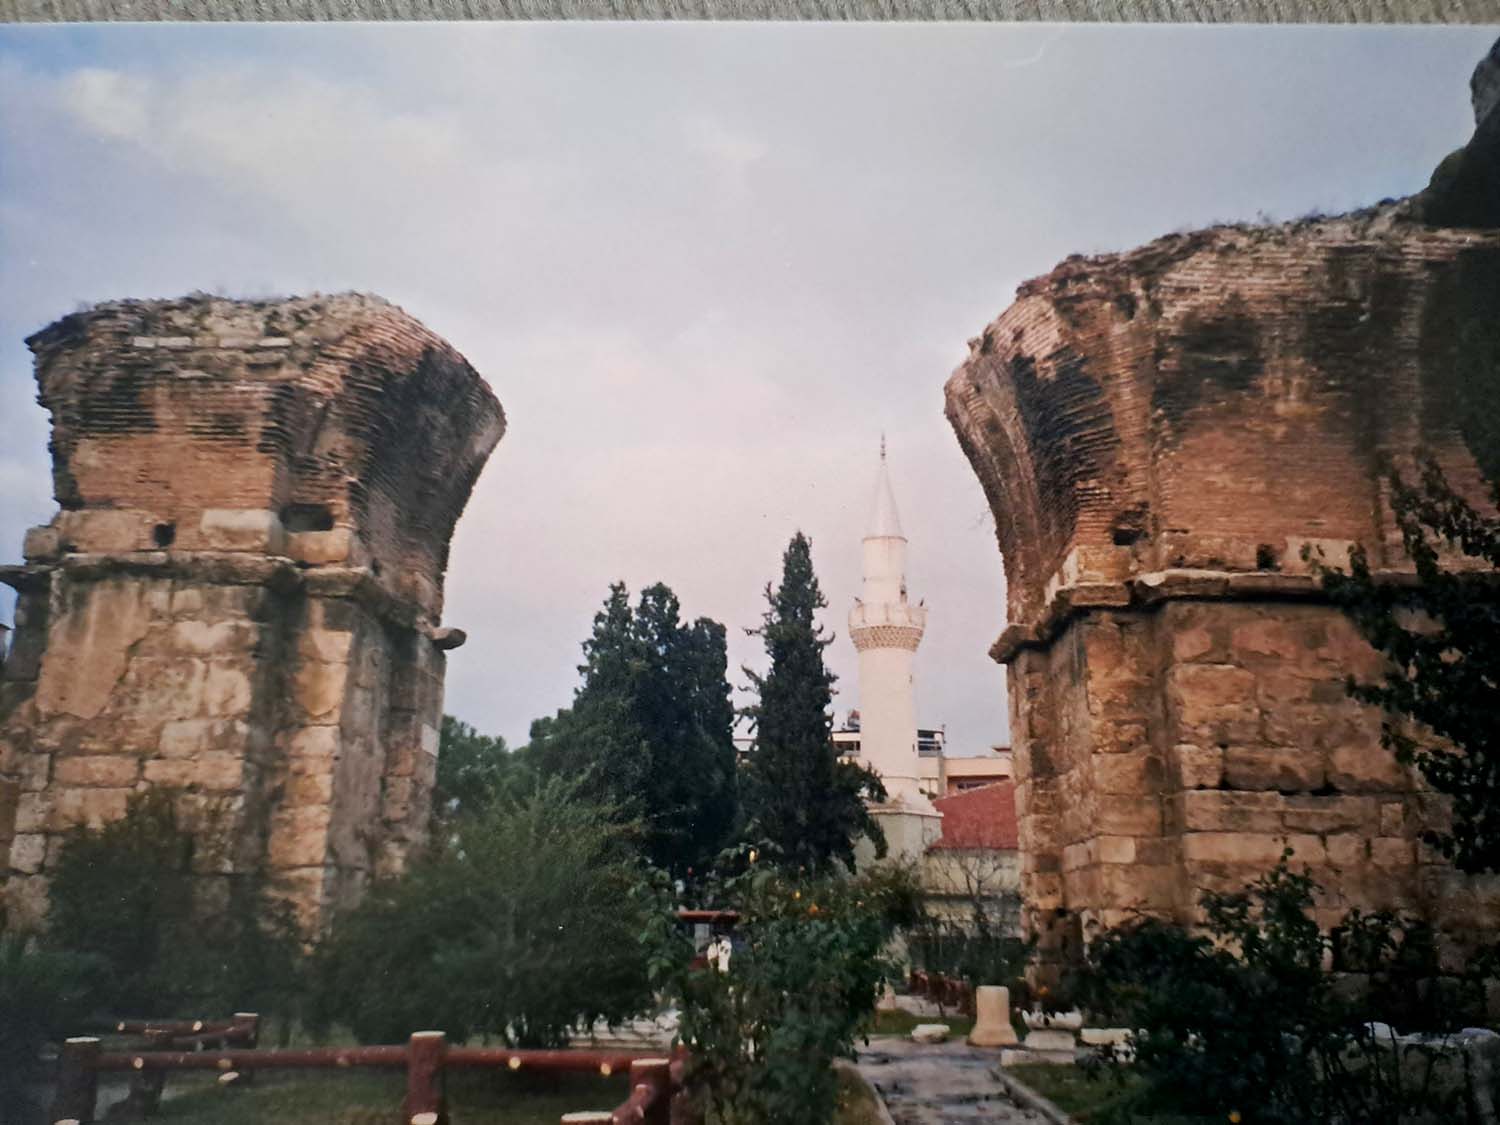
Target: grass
{"x":374,"y":1098}
{"x":900,"y":1023}
{"x":474,"y":1098}
{"x":1076,"y":1092}
{"x":856,"y":1100}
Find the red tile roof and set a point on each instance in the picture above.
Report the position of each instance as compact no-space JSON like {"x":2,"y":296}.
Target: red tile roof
{"x":980,"y":818}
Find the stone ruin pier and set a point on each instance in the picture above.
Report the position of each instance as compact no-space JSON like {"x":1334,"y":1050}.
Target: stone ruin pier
{"x":239,"y":599}
{"x":1161,"y":434}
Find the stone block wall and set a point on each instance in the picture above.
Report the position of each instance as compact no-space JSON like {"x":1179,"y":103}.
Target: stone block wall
{"x":1161,"y":434}
{"x":240,"y":597}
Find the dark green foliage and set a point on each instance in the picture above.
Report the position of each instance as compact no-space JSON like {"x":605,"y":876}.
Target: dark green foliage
{"x":1442,"y":639}
{"x":471,"y":769}
{"x":651,"y":728}
{"x":1243,"y":1018}
{"x":44,"y":996}
{"x":526,"y":923}
{"x":172,"y":942}
{"x":805,"y":805}
{"x":802,"y":981}
{"x":975,"y":958}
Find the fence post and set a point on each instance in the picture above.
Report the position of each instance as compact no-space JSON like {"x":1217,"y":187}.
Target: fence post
{"x":77,"y":1082}
{"x":682,"y":1111}
{"x":655,"y":1073}
{"x":248,"y":1023}
{"x":424,"y":1103}
{"x":146,"y":1085}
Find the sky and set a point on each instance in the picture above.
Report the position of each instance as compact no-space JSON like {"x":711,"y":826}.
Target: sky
{"x":704,"y":267}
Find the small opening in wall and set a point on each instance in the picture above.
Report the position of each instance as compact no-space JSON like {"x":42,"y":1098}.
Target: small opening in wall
{"x":164,"y":534}
{"x":375,"y":567}
{"x":1265,"y":557}
{"x":1125,"y":536}
{"x":307,"y":517}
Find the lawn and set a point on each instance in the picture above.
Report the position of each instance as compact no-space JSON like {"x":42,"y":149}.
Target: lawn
{"x":474,"y":1098}
{"x":1092,"y":1097}
{"x":900,"y":1023}
{"x":1073,"y":1090}
{"x":374,"y":1098}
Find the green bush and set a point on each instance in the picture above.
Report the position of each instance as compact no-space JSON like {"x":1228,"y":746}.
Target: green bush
{"x":802,"y":981}
{"x":527,"y":922}
{"x":44,"y":996}
{"x":173,"y":942}
{"x":1244,"y":1018}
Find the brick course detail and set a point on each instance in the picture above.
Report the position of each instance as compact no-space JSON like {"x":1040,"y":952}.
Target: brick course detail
{"x":239,"y":598}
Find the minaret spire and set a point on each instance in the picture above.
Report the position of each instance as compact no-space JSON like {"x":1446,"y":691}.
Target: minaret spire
{"x":886,"y":629}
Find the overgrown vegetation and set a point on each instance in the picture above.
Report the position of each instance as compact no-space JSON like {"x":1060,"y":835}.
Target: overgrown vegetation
{"x":171,"y":940}
{"x":803,"y":806}
{"x":526,"y":923}
{"x":1441,"y":638}
{"x":43,"y":996}
{"x":801,"y":983}
{"x":1243,"y":1019}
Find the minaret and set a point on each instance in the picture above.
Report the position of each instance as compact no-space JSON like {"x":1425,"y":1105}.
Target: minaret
{"x":886,"y":629}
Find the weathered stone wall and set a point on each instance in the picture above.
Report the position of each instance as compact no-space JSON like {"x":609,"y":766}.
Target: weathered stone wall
{"x":240,"y":597}
{"x":1161,"y":433}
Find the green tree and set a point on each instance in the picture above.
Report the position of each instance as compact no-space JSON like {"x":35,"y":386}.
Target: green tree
{"x":525,"y":924}
{"x":472,"y":768}
{"x":808,"y":961}
{"x":651,"y":727}
{"x":803,"y":802}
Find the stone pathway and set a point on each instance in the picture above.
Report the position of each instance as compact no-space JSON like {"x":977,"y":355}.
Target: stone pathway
{"x":936,"y":1084}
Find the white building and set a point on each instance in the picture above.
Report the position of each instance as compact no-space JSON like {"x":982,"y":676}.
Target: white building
{"x":886,"y":629}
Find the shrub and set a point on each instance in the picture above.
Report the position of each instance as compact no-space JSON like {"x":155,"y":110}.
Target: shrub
{"x":43,"y":996}
{"x":1243,"y":1019}
{"x":808,"y":962}
{"x":528,"y":922}
{"x":172,"y":942}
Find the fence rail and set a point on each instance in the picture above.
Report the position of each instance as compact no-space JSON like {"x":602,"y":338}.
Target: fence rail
{"x":656,"y":1083}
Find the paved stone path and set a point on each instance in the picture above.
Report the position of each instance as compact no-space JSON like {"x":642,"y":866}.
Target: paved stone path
{"x":933,"y":1084}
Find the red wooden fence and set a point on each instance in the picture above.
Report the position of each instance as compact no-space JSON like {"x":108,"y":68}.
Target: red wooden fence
{"x":656,"y":1083}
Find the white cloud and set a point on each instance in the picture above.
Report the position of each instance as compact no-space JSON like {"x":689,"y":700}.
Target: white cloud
{"x":106,"y":102}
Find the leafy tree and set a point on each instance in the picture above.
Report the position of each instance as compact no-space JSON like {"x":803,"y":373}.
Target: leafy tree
{"x":651,"y":727}
{"x":472,"y":768}
{"x":527,"y":923}
{"x":1441,"y":638}
{"x":809,"y":957}
{"x":803,"y":802}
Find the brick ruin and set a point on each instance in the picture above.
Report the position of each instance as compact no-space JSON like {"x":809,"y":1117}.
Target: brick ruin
{"x":1160,"y":433}
{"x":239,"y":599}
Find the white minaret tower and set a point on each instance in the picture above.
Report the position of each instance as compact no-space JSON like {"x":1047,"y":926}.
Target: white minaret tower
{"x":886,"y":629}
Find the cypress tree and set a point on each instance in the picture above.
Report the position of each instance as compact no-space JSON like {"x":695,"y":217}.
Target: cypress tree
{"x":802,"y":801}
{"x":651,"y":729}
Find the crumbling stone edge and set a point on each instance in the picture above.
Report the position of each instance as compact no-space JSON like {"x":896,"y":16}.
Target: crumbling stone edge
{"x":1031,"y":1099}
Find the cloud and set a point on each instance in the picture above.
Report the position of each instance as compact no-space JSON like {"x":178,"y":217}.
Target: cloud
{"x":107,"y":103}
{"x":703,"y":266}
